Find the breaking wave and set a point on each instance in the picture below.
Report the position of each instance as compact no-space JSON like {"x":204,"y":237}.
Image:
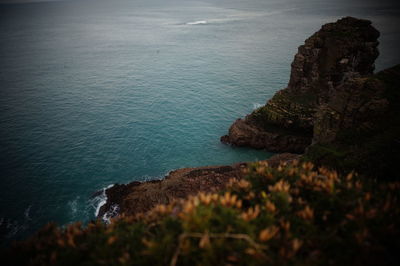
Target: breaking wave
{"x":112,"y":212}
{"x":100,"y":199}
{"x":257,"y":105}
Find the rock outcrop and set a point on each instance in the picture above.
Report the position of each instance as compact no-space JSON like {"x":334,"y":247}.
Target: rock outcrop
{"x":137,"y":197}
{"x":327,"y":64}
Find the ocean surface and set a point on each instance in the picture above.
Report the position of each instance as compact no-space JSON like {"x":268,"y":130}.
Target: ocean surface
{"x":94,"y":93}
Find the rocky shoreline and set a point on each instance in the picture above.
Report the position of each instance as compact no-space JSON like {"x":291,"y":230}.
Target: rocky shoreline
{"x":137,"y":197}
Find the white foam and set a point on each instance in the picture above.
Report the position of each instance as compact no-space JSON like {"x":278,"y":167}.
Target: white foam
{"x":101,"y":203}
{"x":112,"y":212}
{"x":100,"y":200}
{"x":199,"y":22}
{"x":257,"y":105}
{"x":239,"y":16}
{"x":73,"y":204}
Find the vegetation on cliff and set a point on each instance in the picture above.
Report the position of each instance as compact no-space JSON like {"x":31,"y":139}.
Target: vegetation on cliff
{"x":293,"y":214}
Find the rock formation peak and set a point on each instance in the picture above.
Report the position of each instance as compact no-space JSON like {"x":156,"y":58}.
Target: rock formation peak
{"x":337,"y":53}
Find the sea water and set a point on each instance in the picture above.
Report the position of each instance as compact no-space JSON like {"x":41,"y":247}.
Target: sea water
{"x":94,"y":93}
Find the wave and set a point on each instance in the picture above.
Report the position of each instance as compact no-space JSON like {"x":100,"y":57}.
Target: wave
{"x":112,"y":212}
{"x":100,"y":199}
{"x":238,"y":16}
{"x":257,"y":105}
{"x":73,"y":204}
{"x":199,"y":22}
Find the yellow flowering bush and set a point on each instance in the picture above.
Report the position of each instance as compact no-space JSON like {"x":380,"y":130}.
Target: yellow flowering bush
{"x":293,"y":214}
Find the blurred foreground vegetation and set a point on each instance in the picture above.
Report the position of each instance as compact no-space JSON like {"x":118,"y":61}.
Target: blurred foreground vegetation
{"x":294,"y":214}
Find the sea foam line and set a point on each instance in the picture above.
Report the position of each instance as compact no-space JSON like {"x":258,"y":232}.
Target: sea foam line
{"x":199,"y":22}
{"x":101,"y":199}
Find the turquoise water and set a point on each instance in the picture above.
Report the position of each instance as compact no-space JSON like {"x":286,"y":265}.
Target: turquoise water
{"x":100,"y":92}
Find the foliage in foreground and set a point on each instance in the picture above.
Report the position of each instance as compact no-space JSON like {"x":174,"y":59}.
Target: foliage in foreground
{"x":290,"y":215}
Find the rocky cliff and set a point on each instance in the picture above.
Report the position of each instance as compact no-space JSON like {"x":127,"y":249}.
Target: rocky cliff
{"x":323,"y":69}
{"x":358,"y":128}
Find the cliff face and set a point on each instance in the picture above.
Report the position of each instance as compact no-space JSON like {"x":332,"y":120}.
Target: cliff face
{"x":359,"y":127}
{"x":355,"y":104}
{"x":327,"y":64}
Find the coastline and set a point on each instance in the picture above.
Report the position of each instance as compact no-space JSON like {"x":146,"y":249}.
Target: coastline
{"x":136,"y":197}
{"x":332,"y":92}
{"x":319,"y":206}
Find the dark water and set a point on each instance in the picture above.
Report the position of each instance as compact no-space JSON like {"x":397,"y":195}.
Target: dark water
{"x":98,"y":92}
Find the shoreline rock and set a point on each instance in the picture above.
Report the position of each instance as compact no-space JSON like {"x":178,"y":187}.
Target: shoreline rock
{"x":136,"y":197}
{"x":244,"y":132}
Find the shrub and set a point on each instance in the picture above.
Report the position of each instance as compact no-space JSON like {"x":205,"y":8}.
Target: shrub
{"x":294,"y":214}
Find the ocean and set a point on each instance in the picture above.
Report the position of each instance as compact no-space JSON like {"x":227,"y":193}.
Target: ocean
{"x":96,"y":92}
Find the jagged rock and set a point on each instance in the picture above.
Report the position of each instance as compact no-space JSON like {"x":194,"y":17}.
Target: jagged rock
{"x":138,"y":197}
{"x":337,"y":53}
{"x":247,"y":134}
